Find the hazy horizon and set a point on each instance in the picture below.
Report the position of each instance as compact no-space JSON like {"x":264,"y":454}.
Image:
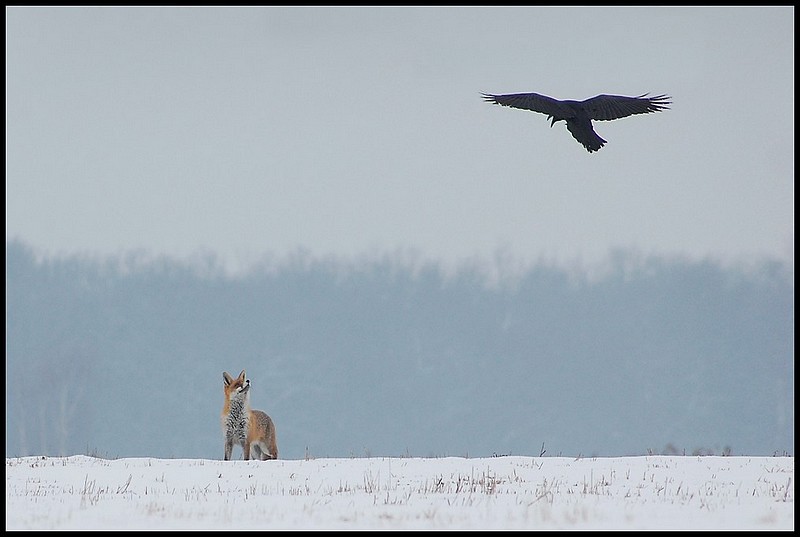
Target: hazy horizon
{"x":658,"y":354}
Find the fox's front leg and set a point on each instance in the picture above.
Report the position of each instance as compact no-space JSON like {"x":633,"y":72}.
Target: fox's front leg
{"x":246,"y":449}
{"x":228,"y":448}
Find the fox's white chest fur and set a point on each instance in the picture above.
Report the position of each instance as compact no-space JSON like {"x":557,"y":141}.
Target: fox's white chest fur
{"x":236,"y":422}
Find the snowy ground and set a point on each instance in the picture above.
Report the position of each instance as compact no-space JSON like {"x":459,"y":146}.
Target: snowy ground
{"x":630,"y":493}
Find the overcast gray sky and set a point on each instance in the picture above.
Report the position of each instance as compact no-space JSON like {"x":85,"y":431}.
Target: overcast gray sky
{"x":350,"y":131}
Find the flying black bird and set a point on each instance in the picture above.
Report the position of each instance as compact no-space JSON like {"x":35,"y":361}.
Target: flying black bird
{"x":579,"y":114}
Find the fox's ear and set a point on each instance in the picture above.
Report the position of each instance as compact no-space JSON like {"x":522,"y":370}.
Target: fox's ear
{"x":227,"y":378}
{"x":241,"y":376}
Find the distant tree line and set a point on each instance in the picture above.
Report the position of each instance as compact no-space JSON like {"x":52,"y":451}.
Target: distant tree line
{"x":124,"y":356}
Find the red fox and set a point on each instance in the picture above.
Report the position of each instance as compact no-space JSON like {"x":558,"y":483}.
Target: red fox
{"x":251,"y":429}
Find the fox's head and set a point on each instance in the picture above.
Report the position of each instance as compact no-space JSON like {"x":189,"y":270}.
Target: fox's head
{"x":236,"y":388}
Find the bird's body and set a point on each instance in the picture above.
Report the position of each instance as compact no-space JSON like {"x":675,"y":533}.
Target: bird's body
{"x":578,"y":115}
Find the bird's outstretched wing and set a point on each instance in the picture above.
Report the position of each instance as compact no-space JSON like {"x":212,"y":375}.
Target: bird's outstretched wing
{"x":608,"y":107}
{"x":532,"y":101}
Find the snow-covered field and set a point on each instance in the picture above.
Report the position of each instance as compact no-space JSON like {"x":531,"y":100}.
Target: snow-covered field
{"x":510,"y":492}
